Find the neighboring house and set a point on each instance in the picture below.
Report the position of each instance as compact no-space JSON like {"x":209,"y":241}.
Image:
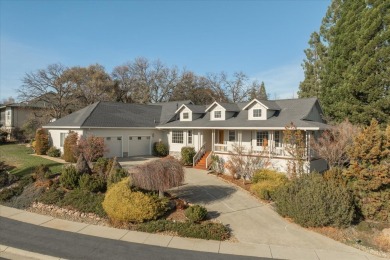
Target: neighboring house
{"x":131,"y":129}
{"x":14,"y":116}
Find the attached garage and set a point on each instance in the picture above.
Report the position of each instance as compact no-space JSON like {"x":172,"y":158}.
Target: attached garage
{"x":114,"y":146}
{"x":140,"y":145}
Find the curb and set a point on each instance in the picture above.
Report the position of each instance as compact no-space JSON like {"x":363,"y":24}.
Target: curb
{"x":9,"y":252}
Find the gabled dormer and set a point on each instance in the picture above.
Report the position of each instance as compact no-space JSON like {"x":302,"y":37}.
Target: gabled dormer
{"x":261,"y":110}
{"x":189,"y":112}
{"x":222,"y":111}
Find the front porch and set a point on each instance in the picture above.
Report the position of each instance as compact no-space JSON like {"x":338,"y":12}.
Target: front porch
{"x":266,"y":143}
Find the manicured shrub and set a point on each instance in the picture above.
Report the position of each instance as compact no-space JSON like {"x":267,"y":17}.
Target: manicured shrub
{"x":214,"y":231}
{"x":5,"y":177}
{"x":91,"y":147}
{"x":196,"y":213}
{"x":54,"y":152}
{"x":92,"y":183}
{"x":116,"y":176}
{"x":84,"y":201}
{"x":160,"y":149}
{"x":41,"y":141}
{"x":70,"y":147}
{"x":123,"y":205}
{"x":82,"y":165}
{"x":69,"y":178}
{"x":187,"y":155}
{"x":311,"y":201}
{"x":266,"y":182}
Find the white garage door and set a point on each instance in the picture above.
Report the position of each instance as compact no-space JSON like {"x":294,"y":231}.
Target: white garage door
{"x":139,"y":145}
{"x":114,"y":146}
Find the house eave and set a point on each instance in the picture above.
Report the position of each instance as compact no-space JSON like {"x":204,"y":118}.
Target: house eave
{"x":237,"y":128}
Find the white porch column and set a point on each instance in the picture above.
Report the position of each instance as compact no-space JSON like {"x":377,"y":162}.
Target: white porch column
{"x":239,"y":137}
{"x":212,"y":139}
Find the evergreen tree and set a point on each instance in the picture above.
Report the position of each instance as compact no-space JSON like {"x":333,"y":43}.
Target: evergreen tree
{"x":369,"y":172}
{"x":351,"y":72}
{"x":311,"y":85}
{"x":263,"y":92}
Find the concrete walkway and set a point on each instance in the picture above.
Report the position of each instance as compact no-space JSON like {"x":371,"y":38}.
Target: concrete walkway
{"x":260,"y":231}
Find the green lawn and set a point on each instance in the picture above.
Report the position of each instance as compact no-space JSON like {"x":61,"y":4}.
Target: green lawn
{"x":22,"y":161}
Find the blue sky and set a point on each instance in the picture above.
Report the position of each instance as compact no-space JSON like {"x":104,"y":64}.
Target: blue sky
{"x":264,"y":39}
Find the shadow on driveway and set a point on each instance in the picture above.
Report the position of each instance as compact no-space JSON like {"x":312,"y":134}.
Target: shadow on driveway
{"x":204,"y":194}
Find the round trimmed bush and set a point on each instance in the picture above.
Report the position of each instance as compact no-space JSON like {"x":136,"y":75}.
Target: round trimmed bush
{"x":160,"y":149}
{"x":196,"y":213}
{"x":123,"y":205}
{"x":312,"y":201}
{"x":187,"y":155}
{"x":266,"y":182}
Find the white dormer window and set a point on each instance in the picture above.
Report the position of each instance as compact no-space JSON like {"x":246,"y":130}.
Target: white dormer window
{"x":256,"y":113}
{"x":185,"y":115}
{"x":217,"y":114}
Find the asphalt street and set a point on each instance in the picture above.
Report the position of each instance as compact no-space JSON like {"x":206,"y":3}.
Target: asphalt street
{"x":69,"y":245}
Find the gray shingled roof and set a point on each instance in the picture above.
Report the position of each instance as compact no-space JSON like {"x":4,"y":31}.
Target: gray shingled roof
{"x":197,"y":109}
{"x":271,"y":104}
{"x":291,"y":110}
{"x":111,"y":114}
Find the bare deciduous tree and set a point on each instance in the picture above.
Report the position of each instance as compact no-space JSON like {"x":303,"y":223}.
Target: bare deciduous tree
{"x":236,"y":88}
{"x":48,"y":87}
{"x":333,"y":144}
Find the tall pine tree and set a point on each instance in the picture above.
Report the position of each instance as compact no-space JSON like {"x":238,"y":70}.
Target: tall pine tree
{"x":352,"y":71}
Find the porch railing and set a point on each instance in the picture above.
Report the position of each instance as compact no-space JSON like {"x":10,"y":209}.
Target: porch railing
{"x":199,"y":155}
{"x":208,"y":159}
{"x":220,"y":147}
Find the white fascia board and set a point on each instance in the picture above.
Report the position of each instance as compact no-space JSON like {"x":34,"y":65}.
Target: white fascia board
{"x":240,"y":128}
{"x":180,"y":108}
{"x":215,"y":102}
{"x":61,"y":127}
{"x":254,"y":100}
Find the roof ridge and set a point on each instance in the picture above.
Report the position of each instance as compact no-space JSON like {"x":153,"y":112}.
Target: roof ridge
{"x":93,"y":109}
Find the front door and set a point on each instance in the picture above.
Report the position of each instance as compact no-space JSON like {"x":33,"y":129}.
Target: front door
{"x":221,"y":136}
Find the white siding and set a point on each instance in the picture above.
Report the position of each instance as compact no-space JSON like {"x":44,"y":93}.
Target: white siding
{"x":55,"y":136}
{"x":257,"y":106}
{"x":217,"y":107}
{"x":186,"y":110}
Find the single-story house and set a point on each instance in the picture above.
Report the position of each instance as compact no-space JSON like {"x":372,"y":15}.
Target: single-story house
{"x":131,"y":129}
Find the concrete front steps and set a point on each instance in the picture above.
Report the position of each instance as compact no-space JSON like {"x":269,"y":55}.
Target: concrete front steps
{"x":201,"y":164}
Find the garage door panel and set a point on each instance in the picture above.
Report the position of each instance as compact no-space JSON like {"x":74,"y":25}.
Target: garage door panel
{"x":139,"y":145}
{"x":114,"y":146}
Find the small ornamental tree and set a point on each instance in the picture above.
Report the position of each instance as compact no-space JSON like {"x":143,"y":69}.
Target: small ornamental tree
{"x":294,"y":143}
{"x":158,"y":175}
{"x":41,"y":141}
{"x":333,"y":144}
{"x":369,"y":172}
{"x":92,"y":147}
{"x":70,"y":144}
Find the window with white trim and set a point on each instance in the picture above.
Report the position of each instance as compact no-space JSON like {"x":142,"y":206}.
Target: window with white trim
{"x":262,"y":138}
{"x":62,"y":138}
{"x":189,"y":137}
{"x":232,"y":136}
{"x":278,"y":139}
{"x":177,"y":137}
{"x":217,"y":114}
{"x":185,"y":115}
{"x":256,"y":112}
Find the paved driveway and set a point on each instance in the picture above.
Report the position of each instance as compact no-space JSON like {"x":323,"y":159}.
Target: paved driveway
{"x":250,"y":220}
